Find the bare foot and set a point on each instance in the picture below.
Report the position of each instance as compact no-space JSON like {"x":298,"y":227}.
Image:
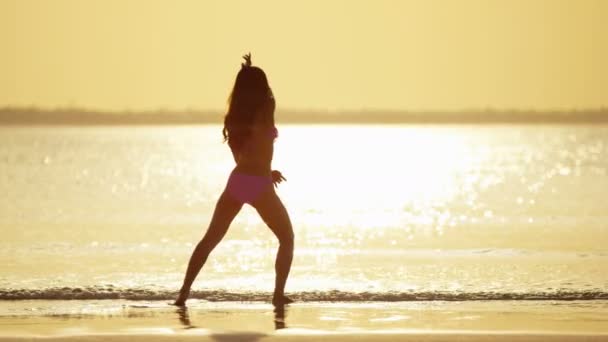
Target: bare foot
{"x":281,"y":300}
{"x":181,"y":299}
{"x":179,"y":302}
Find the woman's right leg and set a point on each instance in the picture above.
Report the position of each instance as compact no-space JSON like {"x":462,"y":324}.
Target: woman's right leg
{"x":273,"y":212}
{"x":225,"y":211}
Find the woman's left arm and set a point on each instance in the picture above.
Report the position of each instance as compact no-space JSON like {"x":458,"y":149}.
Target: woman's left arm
{"x":277,"y":177}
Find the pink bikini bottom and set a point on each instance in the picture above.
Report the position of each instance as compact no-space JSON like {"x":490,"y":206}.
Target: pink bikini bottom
{"x":246,"y":188}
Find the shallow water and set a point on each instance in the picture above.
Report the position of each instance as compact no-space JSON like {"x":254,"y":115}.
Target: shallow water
{"x":470,"y":211}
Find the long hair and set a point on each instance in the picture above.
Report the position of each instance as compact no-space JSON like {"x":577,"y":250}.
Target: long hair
{"x":250,"y":102}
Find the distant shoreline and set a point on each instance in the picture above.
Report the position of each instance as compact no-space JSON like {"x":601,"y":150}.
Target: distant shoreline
{"x":76,"y":116}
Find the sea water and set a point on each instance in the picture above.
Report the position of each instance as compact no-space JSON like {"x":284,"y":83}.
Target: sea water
{"x":380,"y":213}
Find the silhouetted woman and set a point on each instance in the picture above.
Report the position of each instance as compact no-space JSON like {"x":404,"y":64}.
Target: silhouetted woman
{"x":250,"y":132}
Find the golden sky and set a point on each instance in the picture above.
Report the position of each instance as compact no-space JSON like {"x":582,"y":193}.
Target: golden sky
{"x":426,"y":54}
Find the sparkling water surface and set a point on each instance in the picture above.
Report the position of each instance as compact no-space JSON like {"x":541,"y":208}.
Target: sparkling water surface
{"x":376,"y":209}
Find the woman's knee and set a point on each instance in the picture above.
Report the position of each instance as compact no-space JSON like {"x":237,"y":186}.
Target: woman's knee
{"x":287,"y":240}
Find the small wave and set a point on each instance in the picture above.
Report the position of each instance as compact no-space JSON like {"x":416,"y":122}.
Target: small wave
{"x":110,"y":292}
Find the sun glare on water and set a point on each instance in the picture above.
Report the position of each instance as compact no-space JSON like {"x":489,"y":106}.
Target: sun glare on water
{"x":390,"y":170}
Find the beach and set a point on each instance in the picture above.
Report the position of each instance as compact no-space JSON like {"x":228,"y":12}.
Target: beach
{"x":412,"y":170}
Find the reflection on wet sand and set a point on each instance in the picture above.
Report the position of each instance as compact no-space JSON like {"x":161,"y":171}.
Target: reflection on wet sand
{"x":280,"y":314}
{"x":184,"y":317}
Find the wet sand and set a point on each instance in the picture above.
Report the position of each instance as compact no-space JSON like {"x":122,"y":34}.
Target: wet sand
{"x":118,"y":320}
{"x":430,"y":337}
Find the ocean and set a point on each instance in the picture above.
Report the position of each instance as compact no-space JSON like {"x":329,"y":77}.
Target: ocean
{"x":380,"y":213}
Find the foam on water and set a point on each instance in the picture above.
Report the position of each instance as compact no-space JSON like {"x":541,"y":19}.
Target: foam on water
{"x":110,"y":292}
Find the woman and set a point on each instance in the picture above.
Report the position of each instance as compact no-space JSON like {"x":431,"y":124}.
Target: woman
{"x":250,"y":132}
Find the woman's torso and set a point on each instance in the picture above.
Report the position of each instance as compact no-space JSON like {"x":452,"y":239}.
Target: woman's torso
{"x":255,"y":156}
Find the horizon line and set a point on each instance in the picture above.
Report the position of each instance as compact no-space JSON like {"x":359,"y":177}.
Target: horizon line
{"x":162,"y":109}
{"x":78,"y":116}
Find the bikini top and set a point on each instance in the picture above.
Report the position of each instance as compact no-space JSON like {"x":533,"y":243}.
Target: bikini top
{"x":274,"y":132}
